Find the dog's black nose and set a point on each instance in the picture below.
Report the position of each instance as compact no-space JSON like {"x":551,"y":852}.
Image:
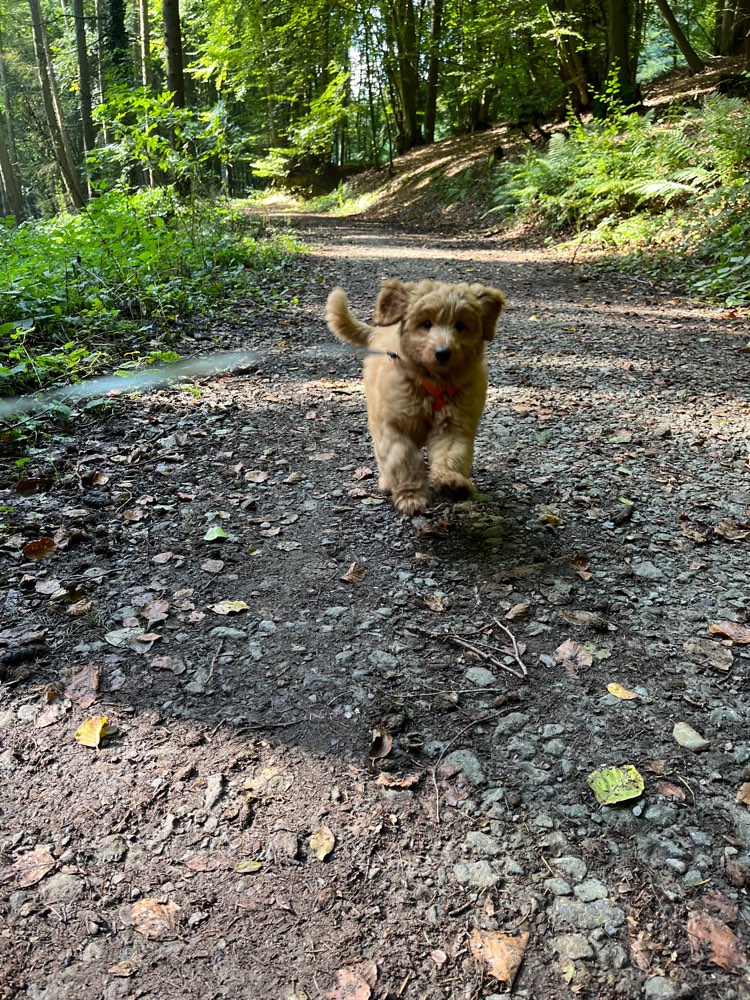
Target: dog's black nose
{"x":443,"y":354}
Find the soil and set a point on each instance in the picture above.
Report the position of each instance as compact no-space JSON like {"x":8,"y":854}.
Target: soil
{"x":372,"y":782}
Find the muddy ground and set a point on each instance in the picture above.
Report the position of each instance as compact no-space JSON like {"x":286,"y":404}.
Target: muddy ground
{"x":357,"y":783}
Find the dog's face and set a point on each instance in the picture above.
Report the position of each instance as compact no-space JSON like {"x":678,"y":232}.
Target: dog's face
{"x":444,"y":327}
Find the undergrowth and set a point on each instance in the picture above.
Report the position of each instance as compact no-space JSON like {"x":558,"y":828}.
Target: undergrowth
{"x":77,"y":288}
{"x":674,"y":193}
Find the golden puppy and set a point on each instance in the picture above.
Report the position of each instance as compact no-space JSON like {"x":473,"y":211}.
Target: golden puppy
{"x":425,"y":381}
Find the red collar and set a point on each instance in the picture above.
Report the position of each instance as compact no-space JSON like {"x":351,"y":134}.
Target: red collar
{"x":441,"y":395}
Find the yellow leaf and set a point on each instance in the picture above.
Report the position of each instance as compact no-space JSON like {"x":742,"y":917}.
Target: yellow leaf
{"x":615,"y":784}
{"x":621,"y":692}
{"x":322,"y":842}
{"x":93,"y":731}
{"x":247,"y":867}
{"x":501,"y":954}
{"x":228,"y":607}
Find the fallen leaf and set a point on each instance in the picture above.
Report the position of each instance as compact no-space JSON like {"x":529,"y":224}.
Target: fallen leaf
{"x":131,"y":638}
{"x":518,"y":612}
{"x":731,"y":532}
{"x":724,"y":947}
{"x":743,"y":795}
{"x":248,"y":867}
{"x":171,"y":663}
{"x":615,"y":784}
{"x":156,"y":611}
{"x":323,"y":456}
{"x":29,"y":868}
{"x":93,"y":731}
{"x":731,"y":630}
{"x":212,"y":565}
{"x":382,"y":743}
{"x":228,"y":607}
{"x":215,"y":532}
{"x":671,"y":791}
{"x":390,"y":781}
{"x":572,"y":656}
{"x":709,"y":653}
{"x":581,"y":565}
{"x":288,"y":546}
{"x":350,"y":985}
{"x":256,"y":476}
{"x":362,"y":473}
{"x":355,"y":574}
{"x":39,"y":549}
{"x":47,"y":586}
{"x":161,"y":558}
{"x":80,"y":608}
{"x":587,"y":619}
{"x":322,"y":842}
{"x":688,"y":737}
{"x":501,"y":954}
{"x":126,"y":968}
{"x":621,"y":692}
{"x":657,"y":766}
{"x":269,"y":782}
{"x":271,"y":532}
{"x":435,"y":603}
{"x":54,"y":713}
{"x":154,"y":919}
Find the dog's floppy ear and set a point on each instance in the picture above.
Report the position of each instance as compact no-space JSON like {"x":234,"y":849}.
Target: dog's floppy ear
{"x":492,"y":302}
{"x":392,"y":302}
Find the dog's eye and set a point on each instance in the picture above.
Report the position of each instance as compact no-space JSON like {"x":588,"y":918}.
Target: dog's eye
{"x":460,"y":327}
{"x":427,"y":324}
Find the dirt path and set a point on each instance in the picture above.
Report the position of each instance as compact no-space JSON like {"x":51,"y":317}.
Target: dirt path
{"x":612,"y":527}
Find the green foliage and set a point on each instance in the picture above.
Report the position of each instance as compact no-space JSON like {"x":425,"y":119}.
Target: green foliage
{"x":629,"y":180}
{"x":124,"y":266}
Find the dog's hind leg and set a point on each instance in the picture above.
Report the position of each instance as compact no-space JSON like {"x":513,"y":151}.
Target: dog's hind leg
{"x":402,"y":472}
{"x":451,"y":456}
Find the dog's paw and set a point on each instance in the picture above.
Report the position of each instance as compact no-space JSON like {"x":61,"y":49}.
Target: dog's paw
{"x":454,"y":484}
{"x":410,"y":503}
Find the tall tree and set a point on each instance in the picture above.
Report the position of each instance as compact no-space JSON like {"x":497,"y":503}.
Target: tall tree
{"x":11,"y":189}
{"x":433,"y":71}
{"x":53,"y":108}
{"x":144,"y":43}
{"x":173,"y":51}
{"x":84,"y":77}
{"x":620,"y":22}
{"x":692,"y":58}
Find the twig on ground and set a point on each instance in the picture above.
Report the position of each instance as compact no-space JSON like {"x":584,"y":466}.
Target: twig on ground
{"x":516,"y":650}
{"x":489,"y":657}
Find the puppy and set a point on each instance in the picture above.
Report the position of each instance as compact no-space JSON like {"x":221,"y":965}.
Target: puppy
{"x":425,"y":381}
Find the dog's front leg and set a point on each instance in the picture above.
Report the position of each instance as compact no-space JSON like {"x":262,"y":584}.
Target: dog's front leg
{"x":402,"y":471}
{"x":451,"y":455}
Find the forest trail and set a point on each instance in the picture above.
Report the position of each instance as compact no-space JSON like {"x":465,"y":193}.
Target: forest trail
{"x":326,"y":793}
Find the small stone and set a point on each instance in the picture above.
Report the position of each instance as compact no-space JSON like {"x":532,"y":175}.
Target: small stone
{"x":478,"y":874}
{"x":470,"y":766}
{"x":214,"y":791}
{"x":382,"y":659}
{"x":27,"y":713}
{"x":62,"y":888}
{"x":224,"y":632}
{"x":513,"y":868}
{"x":267,"y":626}
{"x":585,"y":916}
{"x":574,"y":868}
{"x":571,"y":947}
{"x":481,"y":677}
{"x":111,"y":849}
{"x":645,"y":570}
{"x":676,"y":865}
{"x":283,"y":844}
{"x":590,"y":890}
{"x":484,"y":843}
{"x":509,"y":725}
{"x":659,"y":988}
{"x":687,"y":737}
{"x":7,"y":719}
{"x":558,"y":886}
{"x":693,"y":878}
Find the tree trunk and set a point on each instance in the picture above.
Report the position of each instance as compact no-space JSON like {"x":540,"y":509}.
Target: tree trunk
{"x":117,"y":37}
{"x":101,"y":63}
{"x":11,"y":190}
{"x":619,"y":22}
{"x":173,"y":51}
{"x":433,"y":71}
{"x":84,"y":78}
{"x":740,"y":38}
{"x":10,"y":137}
{"x":145,"y":43}
{"x":694,"y":61}
{"x":52,"y":108}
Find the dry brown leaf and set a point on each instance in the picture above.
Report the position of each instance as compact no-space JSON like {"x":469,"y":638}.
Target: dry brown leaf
{"x":731,"y":532}
{"x":587,"y":619}
{"x":126,"y":968}
{"x":54,"y":713}
{"x":355,"y":574}
{"x":572,"y":656}
{"x":212,"y":565}
{"x":501,"y":954}
{"x":656,"y":766}
{"x":709,"y":653}
{"x":228,"y":607}
{"x":322,"y":842}
{"x":161,"y":558}
{"x":80,"y":608}
{"x":731,"y":630}
{"x":154,"y":919}
{"x":518,"y":612}
{"x":29,"y":868}
{"x":724,"y":947}
{"x":435,"y":603}
{"x":156,"y":611}
{"x":362,"y":473}
{"x":323,"y":456}
{"x":671,"y":791}
{"x":382,"y":743}
{"x":39,"y":549}
{"x":256,"y":476}
{"x":47,"y":586}
{"x":172,"y":663}
{"x":350,"y":985}
{"x":82,"y":686}
{"x":581,"y":565}
{"x":390,"y":781}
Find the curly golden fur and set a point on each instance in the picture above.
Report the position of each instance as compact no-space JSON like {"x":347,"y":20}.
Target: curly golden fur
{"x":431,"y":391}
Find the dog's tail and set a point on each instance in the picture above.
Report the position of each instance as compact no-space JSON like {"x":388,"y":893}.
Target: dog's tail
{"x":342,"y":323}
